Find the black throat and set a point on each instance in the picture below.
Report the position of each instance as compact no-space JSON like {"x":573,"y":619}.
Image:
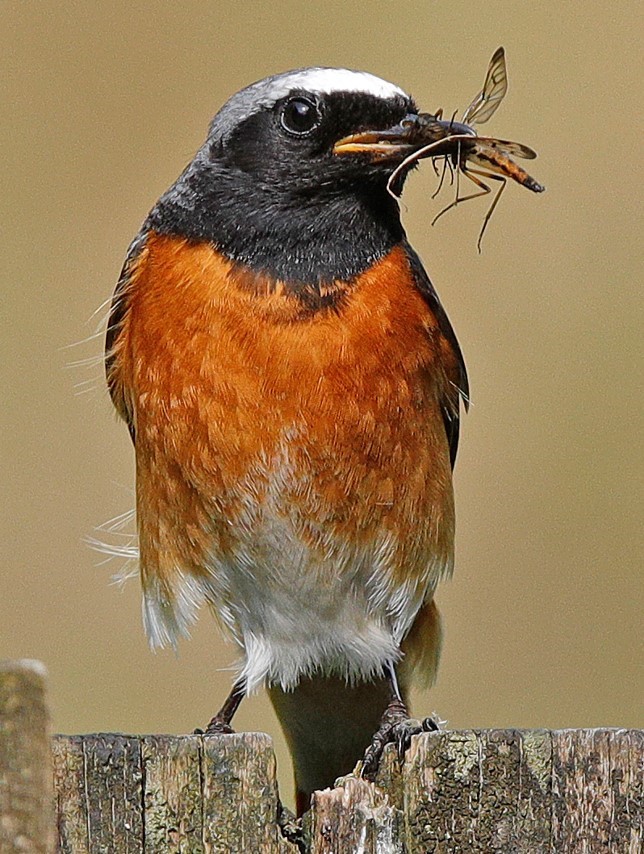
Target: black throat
{"x":307,"y":238}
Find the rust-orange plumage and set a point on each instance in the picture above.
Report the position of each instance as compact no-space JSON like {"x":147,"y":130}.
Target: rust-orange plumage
{"x":292,"y":386}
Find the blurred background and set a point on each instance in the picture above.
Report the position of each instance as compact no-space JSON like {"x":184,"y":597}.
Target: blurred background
{"x":103,"y":104}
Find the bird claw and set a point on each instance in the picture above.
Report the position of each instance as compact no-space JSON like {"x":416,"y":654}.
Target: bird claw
{"x":216,"y":727}
{"x":396,"y":728}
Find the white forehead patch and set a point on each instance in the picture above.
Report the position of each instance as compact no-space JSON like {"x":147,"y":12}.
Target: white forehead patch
{"x":319,"y":81}
{"x":325,"y":81}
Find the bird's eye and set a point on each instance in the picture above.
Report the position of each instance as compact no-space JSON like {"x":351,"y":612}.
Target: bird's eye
{"x":300,"y":116}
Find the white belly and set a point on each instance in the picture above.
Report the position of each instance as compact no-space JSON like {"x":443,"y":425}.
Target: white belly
{"x":298,"y":604}
{"x":295,"y":612}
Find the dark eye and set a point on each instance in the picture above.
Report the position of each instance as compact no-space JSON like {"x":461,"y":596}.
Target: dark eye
{"x":300,"y":116}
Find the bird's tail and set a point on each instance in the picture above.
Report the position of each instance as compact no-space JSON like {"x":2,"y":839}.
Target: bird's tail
{"x":328,"y":724}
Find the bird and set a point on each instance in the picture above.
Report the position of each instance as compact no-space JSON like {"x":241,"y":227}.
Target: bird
{"x":293,"y":387}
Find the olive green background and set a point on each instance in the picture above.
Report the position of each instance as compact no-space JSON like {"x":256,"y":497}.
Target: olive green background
{"x":103,"y":104}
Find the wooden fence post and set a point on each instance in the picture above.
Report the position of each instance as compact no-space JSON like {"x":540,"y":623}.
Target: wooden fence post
{"x":488,"y":791}
{"x":26,"y":820}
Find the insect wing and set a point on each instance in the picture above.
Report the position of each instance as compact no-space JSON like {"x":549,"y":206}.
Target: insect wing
{"x":487,"y":101}
{"x":516,"y":149}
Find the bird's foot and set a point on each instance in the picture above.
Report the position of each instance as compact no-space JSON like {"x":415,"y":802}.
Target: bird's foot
{"x":220,"y":724}
{"x":217,"y":726}
{"x":396,"y":727}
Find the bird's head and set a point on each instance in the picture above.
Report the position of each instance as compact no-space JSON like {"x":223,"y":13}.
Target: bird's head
{"x":296,"y":166}
{"x":317,"y":129}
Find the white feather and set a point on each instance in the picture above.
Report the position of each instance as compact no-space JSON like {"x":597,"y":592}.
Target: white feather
{"x":292,"y":607}
{"x":326,"y":81}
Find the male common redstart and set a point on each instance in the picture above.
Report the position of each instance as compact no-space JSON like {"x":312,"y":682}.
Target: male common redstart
{"x":291,"y":384}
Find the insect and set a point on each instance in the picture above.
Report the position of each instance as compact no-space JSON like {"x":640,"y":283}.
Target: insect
{"x":474,"y":156}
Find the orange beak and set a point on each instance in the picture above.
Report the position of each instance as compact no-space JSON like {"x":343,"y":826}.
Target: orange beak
{"x":414,"y":132}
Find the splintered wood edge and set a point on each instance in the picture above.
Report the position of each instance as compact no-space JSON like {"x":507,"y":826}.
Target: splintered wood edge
{"x":354,"y":816}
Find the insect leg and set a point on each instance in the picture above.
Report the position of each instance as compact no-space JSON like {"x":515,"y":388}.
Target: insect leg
{"x":459,"y":160}
{"x":413,"y":158}
{"x":503,"y":181}
{"x":468,"y":173}
{"x":446,"y":164}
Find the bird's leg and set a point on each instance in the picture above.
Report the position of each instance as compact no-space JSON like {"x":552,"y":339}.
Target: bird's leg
{"x":220,"y":724}
{"x":396,"y":727}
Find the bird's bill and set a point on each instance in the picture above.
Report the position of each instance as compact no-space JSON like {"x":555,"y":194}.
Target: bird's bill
{"x":413,"y":133}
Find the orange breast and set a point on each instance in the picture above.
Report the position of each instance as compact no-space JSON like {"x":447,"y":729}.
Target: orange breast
{"x":248,"y":403}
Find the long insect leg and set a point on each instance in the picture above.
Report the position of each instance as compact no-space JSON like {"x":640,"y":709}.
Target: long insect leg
{"x":484,"y":191}
{"x":458,"y":171}
{"x":451,"y":171}
{"x":446,"y":165}
{"x":503,"y":181}
{"x":413,"y":158}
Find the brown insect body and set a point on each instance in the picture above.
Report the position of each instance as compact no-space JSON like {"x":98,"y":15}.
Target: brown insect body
{"x":491,"y":154}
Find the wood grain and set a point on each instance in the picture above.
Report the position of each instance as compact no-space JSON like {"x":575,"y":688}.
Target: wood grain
{"x":518,"y":791}
{"x":515,"y":791}
{"x":26,"y":823}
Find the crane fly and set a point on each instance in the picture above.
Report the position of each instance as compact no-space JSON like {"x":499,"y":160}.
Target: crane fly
{"x":474,"y":156}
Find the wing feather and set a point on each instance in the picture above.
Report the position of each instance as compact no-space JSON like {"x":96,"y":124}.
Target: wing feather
{"x":118,"y":313}
{"x":450,"y":405}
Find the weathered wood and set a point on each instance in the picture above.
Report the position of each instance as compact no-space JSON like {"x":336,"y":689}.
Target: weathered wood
{"x":25,"y":773}
{"x":533,"y":827}
{"x":70,"y":795}
{"x":518,"y":791}
{"x":594,"y":808}
{"x":514,"y":791}
{"x":500,"y":758}
{"x":442,"y":792}
{"x":163,"y":793}
{"x":355,"y":816}
{"x":113,"y":781}
{"x":627,"y":782}
{"x":173,"y":799}
{"x":240,"y":795}
{"x":525,"y":791}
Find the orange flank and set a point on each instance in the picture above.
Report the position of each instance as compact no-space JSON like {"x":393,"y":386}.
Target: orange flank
{"x":247,"y":402}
